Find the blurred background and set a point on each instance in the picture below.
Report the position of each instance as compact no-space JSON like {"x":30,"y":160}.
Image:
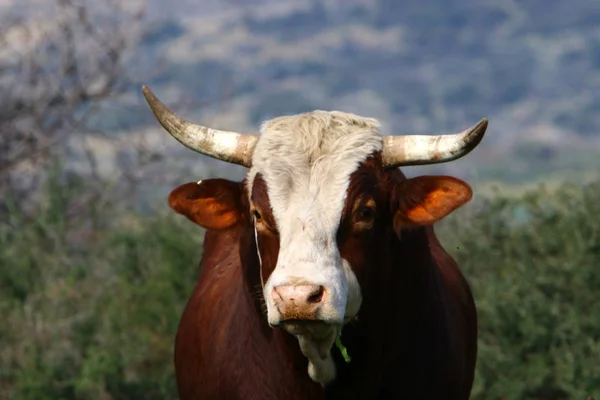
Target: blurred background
{"x":95,"y":269}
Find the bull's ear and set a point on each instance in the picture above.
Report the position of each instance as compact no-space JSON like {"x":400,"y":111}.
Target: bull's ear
{"x":212,"y":203}
{"x":426,"y":199}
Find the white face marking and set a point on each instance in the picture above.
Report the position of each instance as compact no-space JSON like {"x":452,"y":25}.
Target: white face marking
{"x":306,"y":161}
{"x":320,"y":369}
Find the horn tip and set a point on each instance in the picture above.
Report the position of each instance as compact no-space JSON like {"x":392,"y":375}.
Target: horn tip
{"x":155,"y":104}
{"x":483,"y":123}
{"x":479,"y":128}
{"x":474,"y":136}
{"x":147,"y":92}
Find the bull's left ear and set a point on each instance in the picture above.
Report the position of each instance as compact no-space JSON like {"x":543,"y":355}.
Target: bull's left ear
{"x":427,"y":199}
{"x":211,"y":203}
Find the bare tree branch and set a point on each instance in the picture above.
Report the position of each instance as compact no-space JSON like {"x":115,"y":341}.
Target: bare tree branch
{"x":54,"y":72}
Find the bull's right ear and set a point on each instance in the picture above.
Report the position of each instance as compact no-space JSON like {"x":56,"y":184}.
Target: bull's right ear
{"x":212,"y":203}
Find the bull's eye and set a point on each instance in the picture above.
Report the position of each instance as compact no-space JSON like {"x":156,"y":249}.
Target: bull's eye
{"x":257,"y":216}
{"x":366,"y":213}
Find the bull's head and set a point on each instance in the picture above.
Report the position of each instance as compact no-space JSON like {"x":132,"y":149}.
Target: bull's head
{"x":319,"y":188}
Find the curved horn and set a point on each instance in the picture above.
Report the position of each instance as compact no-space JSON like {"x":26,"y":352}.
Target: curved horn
{"x":423,"y":149}
{"x":232,"y":147}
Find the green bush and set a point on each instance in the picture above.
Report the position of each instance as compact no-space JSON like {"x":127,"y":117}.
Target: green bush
{"x":534,"y":265}
{"x":90,"y":296}
{"x":89,"y":312}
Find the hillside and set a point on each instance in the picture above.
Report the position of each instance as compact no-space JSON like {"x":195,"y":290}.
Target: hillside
{"x":533,"y":69}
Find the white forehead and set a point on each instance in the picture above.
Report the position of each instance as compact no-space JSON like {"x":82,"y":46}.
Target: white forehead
{"x":307,"y":159}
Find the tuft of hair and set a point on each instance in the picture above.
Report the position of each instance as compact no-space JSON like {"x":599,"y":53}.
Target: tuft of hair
{"x":318,"y":132}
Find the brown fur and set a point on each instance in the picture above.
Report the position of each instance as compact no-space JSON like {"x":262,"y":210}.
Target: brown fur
{"x":415,"y":334}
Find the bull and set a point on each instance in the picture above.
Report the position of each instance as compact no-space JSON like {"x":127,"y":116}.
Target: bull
{"x":321,"y":276}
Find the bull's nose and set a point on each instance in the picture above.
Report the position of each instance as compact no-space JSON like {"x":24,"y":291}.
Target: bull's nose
{"x":299,"y":294}
{"x":298,"y":301}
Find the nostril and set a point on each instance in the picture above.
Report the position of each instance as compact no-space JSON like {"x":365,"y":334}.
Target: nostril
{"x":317,"y":295}
{"x":276,"y":295}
